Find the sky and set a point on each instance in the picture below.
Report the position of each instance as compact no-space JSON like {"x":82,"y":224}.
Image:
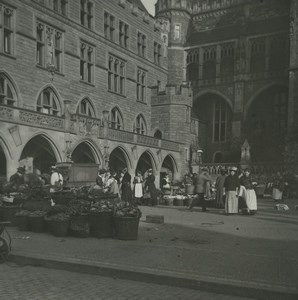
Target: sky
{"x":149,"y":4}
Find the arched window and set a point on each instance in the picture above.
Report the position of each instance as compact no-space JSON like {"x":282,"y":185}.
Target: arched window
{"x":48,"y":103}
{"x":7,"y":93}
{"x":220,"y":121}
{"x":209,"y":63}
{"x":140,"y":125}
{"x":85,"y":108}
{"x":158,"y":134}
{"x":116,"y":119}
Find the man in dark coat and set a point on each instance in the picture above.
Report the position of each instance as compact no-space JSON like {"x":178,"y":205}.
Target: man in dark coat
{"x":126,"y":193}
{"x":150,"y":186}
{"x":200,"y":183}
{"x":17,"y":179}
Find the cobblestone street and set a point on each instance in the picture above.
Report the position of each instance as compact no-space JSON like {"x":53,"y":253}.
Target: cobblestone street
{"x":34,"y":283}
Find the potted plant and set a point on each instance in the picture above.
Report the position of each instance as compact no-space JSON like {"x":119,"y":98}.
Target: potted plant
{"x":22,"y":220}
{"x":101,"y":219}
{"x":58,"y":224}
{"x":126,"y":221}
{"x":36,"y":220}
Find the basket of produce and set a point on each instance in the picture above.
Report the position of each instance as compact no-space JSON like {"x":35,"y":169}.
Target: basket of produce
{"x":36,"y":221}
{"x":58,"y":224}
{"x":101,"y":219}
{"x":22,"y":220}
{"x":126,"y":221}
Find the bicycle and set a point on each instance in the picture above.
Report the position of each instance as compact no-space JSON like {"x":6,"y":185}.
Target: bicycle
{"x":5,"y":243}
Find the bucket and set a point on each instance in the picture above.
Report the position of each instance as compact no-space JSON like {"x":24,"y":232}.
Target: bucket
{"x":22,"y":223}
{"x":126,"y":228}
{"x":37,"y":224}
{"x":101,"y":224}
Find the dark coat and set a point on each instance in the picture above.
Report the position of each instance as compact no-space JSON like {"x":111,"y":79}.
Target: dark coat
{"x":126,"y":194}
{"x":231,"y":182}
{"x":17,"y":179}
{"x":150,"y":185}
{"x":200,"y":182}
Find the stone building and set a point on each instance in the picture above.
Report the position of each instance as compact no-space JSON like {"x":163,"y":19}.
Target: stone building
{"x":76,"y":79}
{"x":239,"y":57}
{"x":103,"y":82}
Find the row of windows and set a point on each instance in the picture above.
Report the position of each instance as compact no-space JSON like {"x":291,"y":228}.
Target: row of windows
{"x":48,"y":103}
{"x":269,"y":53}
{"x":46,"y":33}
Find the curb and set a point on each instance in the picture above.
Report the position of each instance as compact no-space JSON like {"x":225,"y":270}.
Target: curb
{"x":214,"y":285}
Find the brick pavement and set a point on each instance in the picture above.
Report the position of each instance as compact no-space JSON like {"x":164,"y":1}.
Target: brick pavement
{"x":35,"y":283}
{"x":253,"y":255}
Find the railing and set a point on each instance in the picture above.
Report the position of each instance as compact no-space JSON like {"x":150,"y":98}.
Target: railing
{"x":147,"y":141}
{"x":257,"y":169}
{"x":82,"y":125}
{"x":120,"y":135}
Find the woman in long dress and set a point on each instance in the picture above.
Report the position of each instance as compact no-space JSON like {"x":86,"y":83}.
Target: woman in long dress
{"x":278,"y":187}
{"x":138,"y":187}
{"x":219,"y":186}
{"x":247,"y":185}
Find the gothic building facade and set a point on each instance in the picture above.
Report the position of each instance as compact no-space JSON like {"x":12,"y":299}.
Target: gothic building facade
{"x":105,"y":83}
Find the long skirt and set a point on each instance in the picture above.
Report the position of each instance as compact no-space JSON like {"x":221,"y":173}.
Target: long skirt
{"x":138,"y":190}
{"x":276,"y":194}
{"x":231,"y":205}
{"x":251,"y":199}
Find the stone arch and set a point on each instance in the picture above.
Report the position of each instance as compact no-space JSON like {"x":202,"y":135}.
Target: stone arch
{"x":43,"y":150}
{"x":5,"y":155}
{"x":86,"y":151}
{"x":147,"y":161}
{"x":119,"y":158}
{"x":55,"y":91}
{"x":215,"y":92}
{"x":168,"y":166}
{"x":265,"y":123}
{"x":15,"y":87}
{"x":259,"y":92}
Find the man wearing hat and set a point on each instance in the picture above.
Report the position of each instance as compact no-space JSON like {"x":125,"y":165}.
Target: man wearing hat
{"x":56,"y":180}
{"x":17,"y":179}
{"x":231,"y":186}
{"x":200,"y":183}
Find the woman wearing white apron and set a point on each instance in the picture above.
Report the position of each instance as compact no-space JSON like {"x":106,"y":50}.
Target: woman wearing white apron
{"x":248,"y":193}
{"x":138,"y":187}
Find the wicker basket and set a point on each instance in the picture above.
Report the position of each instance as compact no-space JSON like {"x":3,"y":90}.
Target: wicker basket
{"x":126,"y":228}
{"x":101,"y":224}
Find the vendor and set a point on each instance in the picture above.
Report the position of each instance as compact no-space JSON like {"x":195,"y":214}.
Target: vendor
{"x":18,"y":179}
{"x":166,"y":184}
{"x":56,"y":180}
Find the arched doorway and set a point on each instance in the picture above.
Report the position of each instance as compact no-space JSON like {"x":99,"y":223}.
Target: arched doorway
{"x":145,"y":162}
{"x":167,"y":167}
{"x":118,"y":160}
{"x":41,"y":150}
{"x":266,"y":123}
{"x":214,"y":114}
{"x":83,"y":154}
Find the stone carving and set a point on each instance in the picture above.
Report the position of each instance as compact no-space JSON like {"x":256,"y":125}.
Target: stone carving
{"x":88,"y":126}
{"x":41,"y":120}
{"x":6,"y":113}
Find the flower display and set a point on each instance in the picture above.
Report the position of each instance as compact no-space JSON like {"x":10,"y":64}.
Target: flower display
{"x":60,"y":217}
{"x":124,"y":209}
{"x":101,"y":206}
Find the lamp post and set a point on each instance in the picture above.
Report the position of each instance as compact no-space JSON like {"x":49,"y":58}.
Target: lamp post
{"x":199,"y":156}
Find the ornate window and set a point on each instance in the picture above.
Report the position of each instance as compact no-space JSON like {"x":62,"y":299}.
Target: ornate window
{"x":227,"y":59}
{"x":7,"y":29}
{"x":141,"y":44}
{"x":87,"y":13}
{"x":157,"y":53}
{"x":116,"y":75}
{"x":49,"y":48}
{"x":257,"y":55}
{"x":48,"y":103}
{"x":116,"y":119}
{"x":86,"y":108}
{"x":209,"y":63}
{"x":123,"y":34}
{"x":7,"y":92}
{"x":60,"y":6}
{"x":109,"y":26}
{"x":192,"y":62}
{"x":140,"y":125}
{"x":141,"y":85}
{"x":86,"y":62}
{"x":220,"y":116}
{"x":177,"y":32}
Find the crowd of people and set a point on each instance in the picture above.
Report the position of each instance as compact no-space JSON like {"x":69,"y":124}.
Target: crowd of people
{"x":235,"y":190}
